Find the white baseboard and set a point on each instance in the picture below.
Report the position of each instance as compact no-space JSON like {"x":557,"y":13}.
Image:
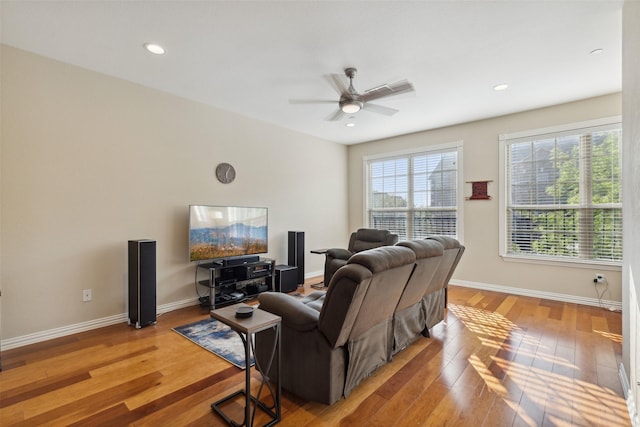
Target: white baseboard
{"x":629,"y":397}
{"x":16,"y":342}
{"x":165,"y":308}
{"x":611,"y":305}
{"x":314,"y":274}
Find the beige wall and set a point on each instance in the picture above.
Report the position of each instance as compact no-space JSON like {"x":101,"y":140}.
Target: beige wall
{"x":481,"y":263}
{"x":90,"y":161}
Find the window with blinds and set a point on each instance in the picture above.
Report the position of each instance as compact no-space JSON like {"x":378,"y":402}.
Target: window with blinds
{"x":414,"y":195}
{"x":563,"y":194}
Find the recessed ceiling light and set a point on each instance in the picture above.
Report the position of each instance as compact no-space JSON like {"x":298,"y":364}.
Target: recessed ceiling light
{"x":350,"y":125}
{"x":501,"y":86}
{"x":596,"y":51}
{"x":154,"y":48}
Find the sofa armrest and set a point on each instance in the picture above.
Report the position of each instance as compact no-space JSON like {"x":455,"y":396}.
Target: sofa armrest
{"x":294,"y":313}
{"x":339,"y":253}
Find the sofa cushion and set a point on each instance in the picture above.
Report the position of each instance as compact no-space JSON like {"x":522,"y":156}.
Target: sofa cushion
{"x":314,"y":300}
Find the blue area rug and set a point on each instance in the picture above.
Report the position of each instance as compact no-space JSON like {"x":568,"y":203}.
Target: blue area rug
{"x":216,"y":337}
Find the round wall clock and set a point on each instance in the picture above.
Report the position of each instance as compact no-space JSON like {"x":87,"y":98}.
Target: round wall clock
{"x":225,"y":173}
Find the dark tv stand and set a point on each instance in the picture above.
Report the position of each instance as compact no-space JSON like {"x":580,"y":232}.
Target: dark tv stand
{"x":230,"y":283}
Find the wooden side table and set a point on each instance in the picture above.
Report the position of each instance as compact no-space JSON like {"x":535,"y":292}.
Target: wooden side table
{"x":320,"y":285}
{"x":247,"y":328}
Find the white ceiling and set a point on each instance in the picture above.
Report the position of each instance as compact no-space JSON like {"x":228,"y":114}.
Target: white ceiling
{"x":252,"y":57}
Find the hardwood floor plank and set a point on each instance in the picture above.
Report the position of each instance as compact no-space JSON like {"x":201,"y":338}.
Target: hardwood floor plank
{"x":370,"y":406}
{"x":555,"y":309}
{"x":87,"y":406}
{"x":102,"y":418}
{"x":506,"y":305}
{"x":87,"y":389}
{"x":165,"y":404}
{"x":483,"y":395}
{"x":413,"y":389}
{"x":564,"y":362}
{"x":502,"y":413}
{"x":583,"y":320}
{"x":45,"y":349}
{"x":414,"y":369}
{"x":492,"y":304}
{"x":422,"y":409}
{"x":614,"y":325}
{"x":31,"y":390}
{"x":36,"y":370}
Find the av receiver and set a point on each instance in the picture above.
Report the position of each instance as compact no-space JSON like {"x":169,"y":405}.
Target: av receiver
{"x":253,"y":271}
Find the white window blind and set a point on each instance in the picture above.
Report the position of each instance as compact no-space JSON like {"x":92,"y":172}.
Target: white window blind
{"x":414,"y":195}
{"x":563,"y":194}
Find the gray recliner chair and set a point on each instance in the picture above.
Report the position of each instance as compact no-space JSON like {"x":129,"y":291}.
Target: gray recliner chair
{"x":326,"y":353}
{"x":435,"y":303}
{"x":360,"y":240}
{"x":410,"y":318}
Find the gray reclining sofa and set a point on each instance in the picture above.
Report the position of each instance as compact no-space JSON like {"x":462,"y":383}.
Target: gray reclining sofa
{"x":375,"y":305}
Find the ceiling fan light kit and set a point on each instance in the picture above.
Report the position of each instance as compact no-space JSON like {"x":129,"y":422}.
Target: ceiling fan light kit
{"x":350,"y":106}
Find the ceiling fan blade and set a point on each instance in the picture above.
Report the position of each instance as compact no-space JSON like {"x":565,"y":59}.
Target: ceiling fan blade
{"x":312,"y":101}
{"x":338,"y":115}
{"x":388,"y":89}
{"x":337,"y":83}
{"x":375,"y":108}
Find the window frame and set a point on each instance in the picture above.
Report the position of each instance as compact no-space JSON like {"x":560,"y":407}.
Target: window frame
{"x":607,"y":123}
{"x":456,"y":146}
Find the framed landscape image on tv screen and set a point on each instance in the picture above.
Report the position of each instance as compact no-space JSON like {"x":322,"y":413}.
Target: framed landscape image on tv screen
{"x":225,"y":231}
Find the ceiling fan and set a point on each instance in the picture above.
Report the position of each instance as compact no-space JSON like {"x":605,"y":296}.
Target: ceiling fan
{"x":351,"y":101}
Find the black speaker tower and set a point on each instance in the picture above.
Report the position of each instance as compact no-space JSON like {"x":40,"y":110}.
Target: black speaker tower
{"x":142,"y":282}
{"x":296,"y":253}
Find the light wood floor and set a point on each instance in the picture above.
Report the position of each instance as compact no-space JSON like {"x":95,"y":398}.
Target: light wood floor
{"x":497,"y":360}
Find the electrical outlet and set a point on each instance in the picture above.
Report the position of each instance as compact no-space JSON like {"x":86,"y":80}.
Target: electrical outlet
{"x":86,"y":295}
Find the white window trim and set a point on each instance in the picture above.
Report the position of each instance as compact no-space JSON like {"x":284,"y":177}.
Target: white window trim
{"x":448,"y":146}
{"x":592,"y":125}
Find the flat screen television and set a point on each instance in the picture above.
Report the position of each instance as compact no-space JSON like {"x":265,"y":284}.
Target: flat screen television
{"x":225,"y":231}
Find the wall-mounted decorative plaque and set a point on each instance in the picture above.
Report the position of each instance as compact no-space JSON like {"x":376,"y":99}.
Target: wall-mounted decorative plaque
{"x":479,"y":190}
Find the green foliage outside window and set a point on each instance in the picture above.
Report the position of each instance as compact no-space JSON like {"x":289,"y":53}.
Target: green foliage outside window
{"x":579,"y":213}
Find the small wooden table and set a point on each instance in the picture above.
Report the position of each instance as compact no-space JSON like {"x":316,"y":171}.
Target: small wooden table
{"x":247,"y":328}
